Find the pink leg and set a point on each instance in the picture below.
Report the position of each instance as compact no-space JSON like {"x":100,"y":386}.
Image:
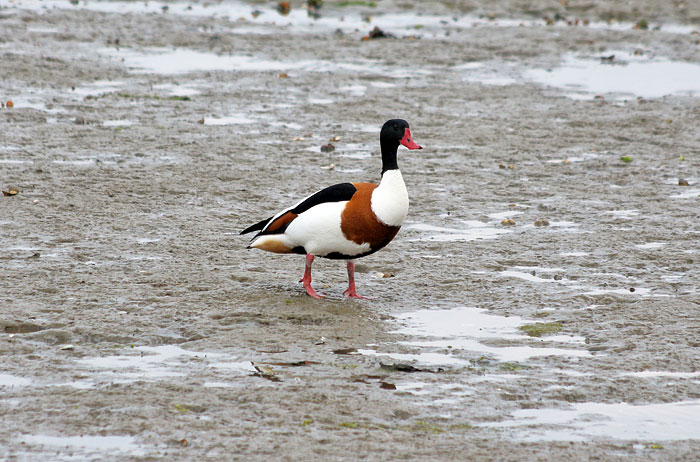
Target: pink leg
{"x":350,"y":292}
{"x":307,"y":278}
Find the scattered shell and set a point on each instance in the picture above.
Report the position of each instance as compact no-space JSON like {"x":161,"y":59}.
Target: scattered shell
{"x":10,"y":104}
{"x":283,"y":75}
{"x":335,"y":139}
{"x":11,"y":192}
{"x":328,"y":148}
{"x":540,"y":222}
{"x":298,"y":138}
{"x":508,"y":222}
{"x":683,"y":182}
{"x":384,"y":275}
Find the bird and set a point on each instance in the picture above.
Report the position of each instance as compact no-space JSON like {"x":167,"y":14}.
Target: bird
{"x":345,"y":221}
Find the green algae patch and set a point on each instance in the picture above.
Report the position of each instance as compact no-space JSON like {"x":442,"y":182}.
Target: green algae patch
{"x":357,"y":3}
{"x":180,"y":408}
{"x":540,"y":329}
{"x":422,"y":426}
{"x":512,"y":366}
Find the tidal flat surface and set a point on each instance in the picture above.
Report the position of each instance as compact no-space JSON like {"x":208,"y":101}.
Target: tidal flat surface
{"x":540,"y":303}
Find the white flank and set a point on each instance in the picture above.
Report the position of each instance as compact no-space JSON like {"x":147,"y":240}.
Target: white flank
{"x":318,"y":231}
{"x":390,"y":199}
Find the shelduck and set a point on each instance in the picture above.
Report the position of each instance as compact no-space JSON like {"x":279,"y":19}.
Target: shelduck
{"x":345,"y":221}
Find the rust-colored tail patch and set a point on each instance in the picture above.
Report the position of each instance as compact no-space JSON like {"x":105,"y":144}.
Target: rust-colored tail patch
{"x":359,"y":223}
{"x":280,"y":224}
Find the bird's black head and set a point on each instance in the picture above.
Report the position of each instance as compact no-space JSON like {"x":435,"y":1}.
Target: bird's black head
{"x":395,"y":132}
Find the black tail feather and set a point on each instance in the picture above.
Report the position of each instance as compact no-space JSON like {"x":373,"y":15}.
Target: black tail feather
{"x":257,"y":226}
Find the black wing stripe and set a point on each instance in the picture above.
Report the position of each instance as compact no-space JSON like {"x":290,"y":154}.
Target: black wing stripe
{"x":257,"y":226}
{"x":336,"y":193}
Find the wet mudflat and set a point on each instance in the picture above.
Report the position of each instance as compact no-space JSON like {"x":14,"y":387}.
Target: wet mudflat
{"x":540,"y":303}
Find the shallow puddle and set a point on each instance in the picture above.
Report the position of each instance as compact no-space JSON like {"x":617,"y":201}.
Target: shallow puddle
{"x":177,"y":90}
{"x":87,"y":443}
{"x":585,"y":421}
{"x":459,"y":330}
{"x":117,"y":123}
{"x":473,"y":230}
{"x":650,"y":245}
{"x":583,"y":77}
{"x":228,"y":120}
{"x":632,"y":291}
{"x":692,"y":193}
{"x":167,"y":61}
{"x":152,"y":363}
{"x":99,"y":87}
{"x":657,"y":374}
{"x":525,"y":276}
{"x":11,"y":381}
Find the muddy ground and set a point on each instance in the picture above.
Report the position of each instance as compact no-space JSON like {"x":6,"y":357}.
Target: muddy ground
{"x":130,"y":310}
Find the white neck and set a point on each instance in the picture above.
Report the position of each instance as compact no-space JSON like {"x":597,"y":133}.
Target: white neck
{"x":390,"y":199}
